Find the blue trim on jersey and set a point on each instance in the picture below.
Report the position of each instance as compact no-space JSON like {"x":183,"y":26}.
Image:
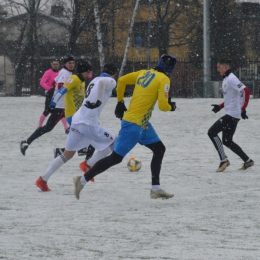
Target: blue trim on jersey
{"x":58,"y":95}
{"x":130,"y":134}
{"x":69,"y":119}
{"x":105,"y":75}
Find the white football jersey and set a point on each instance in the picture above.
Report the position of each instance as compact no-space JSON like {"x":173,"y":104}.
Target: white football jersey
{"x":232,"y":88}
{"x":91,"y":116}
{"x":61,"y":78}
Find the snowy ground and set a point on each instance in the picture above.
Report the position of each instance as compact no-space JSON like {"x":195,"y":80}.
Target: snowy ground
{"x":213,"y":215}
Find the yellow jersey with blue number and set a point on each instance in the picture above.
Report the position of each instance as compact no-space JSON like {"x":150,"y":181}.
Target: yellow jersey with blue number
{"x":150,"y":86}
{"x":75,"y":95}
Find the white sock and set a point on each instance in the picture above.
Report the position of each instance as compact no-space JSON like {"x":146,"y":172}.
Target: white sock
{"x":156,"y":187}
{"x":83,"y":180}
{"x":98,"y":156}
{"x":54,"y":166}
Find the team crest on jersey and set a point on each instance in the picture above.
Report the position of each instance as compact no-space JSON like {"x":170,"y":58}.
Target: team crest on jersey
{"x":166,"y":90}
{"x":69,"y":80}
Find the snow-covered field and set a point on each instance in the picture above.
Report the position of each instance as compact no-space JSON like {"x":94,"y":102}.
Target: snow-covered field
{"x":213,"y":215}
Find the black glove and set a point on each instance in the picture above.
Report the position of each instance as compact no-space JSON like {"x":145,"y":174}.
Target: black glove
{"x":216,"y":108}
{"x":173,"y":104}
{"x":92,"y":105}
{"x":120,"y":109}
{"x":243,"y":115}
{"x":51,"y":108}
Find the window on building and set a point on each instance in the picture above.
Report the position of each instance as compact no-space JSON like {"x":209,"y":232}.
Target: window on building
{"x":57,"y":10}
{"x":140,"y":35}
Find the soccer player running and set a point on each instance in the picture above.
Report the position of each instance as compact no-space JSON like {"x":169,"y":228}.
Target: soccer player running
{"x":236,"y":97}
{"x":84,"y":130}
{"x":150,"y":86}
{"x":56,"y":114}
{"x":48,"y":83}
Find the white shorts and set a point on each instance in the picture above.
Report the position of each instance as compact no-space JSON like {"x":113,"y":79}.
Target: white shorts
{"x":82,"y":135}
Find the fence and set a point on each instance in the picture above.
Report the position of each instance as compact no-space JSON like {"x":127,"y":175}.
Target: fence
{"x":186,"y":79}
{"x":213,"y":89}
{"x":182,"y":77}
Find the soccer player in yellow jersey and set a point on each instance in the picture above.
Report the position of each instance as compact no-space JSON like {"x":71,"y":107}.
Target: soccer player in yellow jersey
{"x":150,"y":86}
{"x":74,"y":88}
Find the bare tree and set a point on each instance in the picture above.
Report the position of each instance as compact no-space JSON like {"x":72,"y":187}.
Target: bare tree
{"x":175,"y":22}
{"x":25,"y":46}
{"x":99,"y":35}
{"x":80,"y":16}
{"x":129,"y":39}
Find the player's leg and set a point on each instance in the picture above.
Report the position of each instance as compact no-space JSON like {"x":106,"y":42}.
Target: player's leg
{"x":54,"y":118}
{"x":227,"y":139}
{"x":46,"y":110}
{"x":122,"y":146}
{"x":86,"y":151}
{"x":65,"y":125}
{"x":41,"y":182}
{"x":152,"y":141}
{"x":74,"y":142}
{"x":92,"y":157}
{"x":216,"y":128}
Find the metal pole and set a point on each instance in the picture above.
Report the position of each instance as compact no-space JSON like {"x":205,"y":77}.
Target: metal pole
{"x":206,"y":45}
{"x":149,"y":32}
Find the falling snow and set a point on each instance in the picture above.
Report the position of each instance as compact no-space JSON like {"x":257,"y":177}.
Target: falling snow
{"x":212,"y":215}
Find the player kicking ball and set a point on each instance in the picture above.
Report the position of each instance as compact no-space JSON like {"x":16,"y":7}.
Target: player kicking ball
{"x":150,"y":86}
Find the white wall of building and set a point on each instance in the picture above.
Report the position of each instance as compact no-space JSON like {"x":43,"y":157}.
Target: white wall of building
{"x":6,"y":76}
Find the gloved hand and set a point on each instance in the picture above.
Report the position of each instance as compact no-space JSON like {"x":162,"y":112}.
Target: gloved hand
{"x":216,"y":108}
{"x":243,"y":115}
{"x":173,"y":104}
{"x":92,"y":105}
{"x":51,"y":108}
{"x":120,"y":109}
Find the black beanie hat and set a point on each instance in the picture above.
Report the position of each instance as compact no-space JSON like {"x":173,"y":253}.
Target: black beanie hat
{"x":110,"y":68}
{"x":83,"y":66}
{"x":68,"y":58}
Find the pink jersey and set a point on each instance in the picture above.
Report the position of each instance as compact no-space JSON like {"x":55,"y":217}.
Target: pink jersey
{"x":48,"y":78}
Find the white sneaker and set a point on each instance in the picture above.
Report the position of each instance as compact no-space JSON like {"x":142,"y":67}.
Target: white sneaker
{"x":160,"y":194}
{"x":77,"y":186}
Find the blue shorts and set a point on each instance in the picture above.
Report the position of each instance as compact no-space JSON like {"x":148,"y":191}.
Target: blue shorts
{"x":130,"y":134}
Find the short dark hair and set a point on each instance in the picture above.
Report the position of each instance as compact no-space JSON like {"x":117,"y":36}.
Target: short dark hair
{"x":110,"y":68}
{"x":68,"y":58}
{"x":55,"y":60}
{"x":83,"y":66}
{"x":225,"y":61}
